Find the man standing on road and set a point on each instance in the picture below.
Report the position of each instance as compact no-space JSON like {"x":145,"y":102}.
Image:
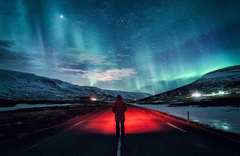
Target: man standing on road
{"x":118,"y":108}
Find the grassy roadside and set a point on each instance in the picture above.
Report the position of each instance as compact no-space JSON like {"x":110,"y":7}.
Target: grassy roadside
{"x":21,"y":122}
{"x":9,"y":103}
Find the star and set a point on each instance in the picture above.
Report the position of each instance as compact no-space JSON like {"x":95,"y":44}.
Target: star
{"x":148,"y":47}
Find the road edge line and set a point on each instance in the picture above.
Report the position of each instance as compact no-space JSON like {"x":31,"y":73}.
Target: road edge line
{"x":177,"y":127}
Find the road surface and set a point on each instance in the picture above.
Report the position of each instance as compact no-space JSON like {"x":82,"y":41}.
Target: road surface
{"x":147,"y":133}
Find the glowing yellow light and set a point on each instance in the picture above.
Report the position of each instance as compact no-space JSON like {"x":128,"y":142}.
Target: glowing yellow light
{"x":93,"y":99}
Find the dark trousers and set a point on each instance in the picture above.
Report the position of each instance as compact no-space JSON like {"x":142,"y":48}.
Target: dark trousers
{"x":118,"y":130}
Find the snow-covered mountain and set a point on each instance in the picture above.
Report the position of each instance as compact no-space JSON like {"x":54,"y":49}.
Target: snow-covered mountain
{"x":226,"y":80}
{"x":18,"y":86}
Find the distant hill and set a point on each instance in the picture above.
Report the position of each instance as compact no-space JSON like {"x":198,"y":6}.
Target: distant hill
{"x":226,"y":80}
{"x":18,"y":86}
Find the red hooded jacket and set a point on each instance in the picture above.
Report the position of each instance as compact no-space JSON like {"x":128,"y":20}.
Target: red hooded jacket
{"x":118,"y":108}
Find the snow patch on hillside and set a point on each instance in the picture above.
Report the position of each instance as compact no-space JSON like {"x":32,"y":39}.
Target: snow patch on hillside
{"x":23,"y":86}
{"x":224,"y":73}
{"x":225,"y":80}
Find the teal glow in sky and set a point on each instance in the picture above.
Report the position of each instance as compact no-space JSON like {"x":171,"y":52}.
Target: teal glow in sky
{"x":149,"y":46}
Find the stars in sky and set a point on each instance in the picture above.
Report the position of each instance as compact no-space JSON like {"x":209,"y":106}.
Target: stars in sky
{"x":149,"y":46}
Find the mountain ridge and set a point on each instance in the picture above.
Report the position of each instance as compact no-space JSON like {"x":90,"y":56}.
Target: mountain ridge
{"x":222,"y":80}
{"x":20,"y":86}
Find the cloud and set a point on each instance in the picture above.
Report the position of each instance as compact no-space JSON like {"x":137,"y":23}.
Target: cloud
{"x":11,"y":59}
{"x":72,"y":49}
{"x":122,"y":55}
{"x":9,"y":8}
{"x":73,"y":65}
{"x":6,"y":44}
{"x":112,"y":74}
{"x":71,"y":70}
{"x":87,"y":58}
{"x":94,"y":59}
{"x":84,"y":57}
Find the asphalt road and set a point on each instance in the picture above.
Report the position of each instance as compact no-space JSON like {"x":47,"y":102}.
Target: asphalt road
{"x":147,"y":133}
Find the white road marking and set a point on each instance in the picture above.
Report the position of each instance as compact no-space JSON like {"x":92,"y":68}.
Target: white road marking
{"x":152,"y":116}
{"x":119,"y":147}
{"x":77,"y":124}
{"x":34,"y":145}
{"x":177,"y":127}
{"x":74,"y":125}
{"x":48,"y":139}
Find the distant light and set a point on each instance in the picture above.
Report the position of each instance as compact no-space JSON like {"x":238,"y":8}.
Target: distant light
{"x":221,"y":92}
{"x":93,"y":99}
{"x":225,"y":127}
{"x":196,"y":95}
{"x":61,"y":16}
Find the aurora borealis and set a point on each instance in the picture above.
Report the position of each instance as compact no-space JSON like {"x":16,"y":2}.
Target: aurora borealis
{"x":149,"y":46}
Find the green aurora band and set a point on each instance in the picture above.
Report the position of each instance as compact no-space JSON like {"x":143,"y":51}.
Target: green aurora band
{"x":148,"y":46}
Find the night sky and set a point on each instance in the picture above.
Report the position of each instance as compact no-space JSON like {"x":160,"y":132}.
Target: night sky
{"x":149,"y":46}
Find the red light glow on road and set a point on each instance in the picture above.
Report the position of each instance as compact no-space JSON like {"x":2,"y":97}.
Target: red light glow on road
{"x":137,"y":121}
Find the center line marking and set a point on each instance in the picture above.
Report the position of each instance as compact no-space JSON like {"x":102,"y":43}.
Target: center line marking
{"x":119,"y":147}
{"x":177,"y":127}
